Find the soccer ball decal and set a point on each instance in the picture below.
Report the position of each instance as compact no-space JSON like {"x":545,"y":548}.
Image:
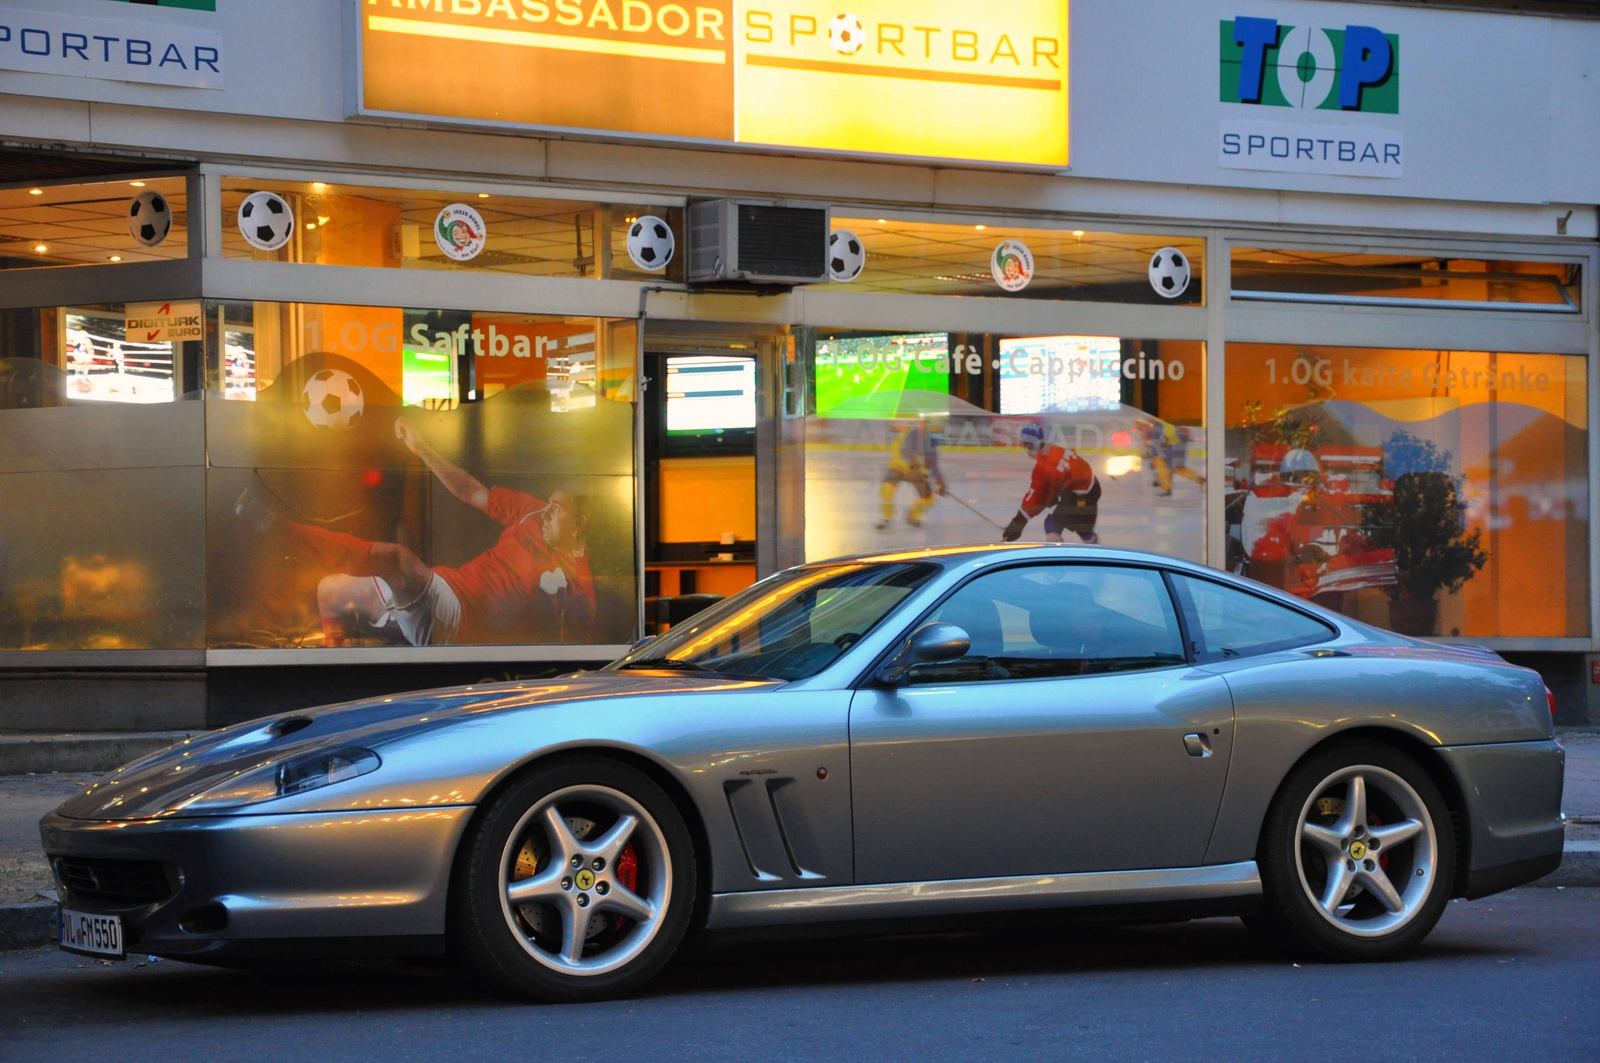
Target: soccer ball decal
{"x":846,"y":256}
{"x":846,"y":34}
{"x":265,"y":220}
{"x":650,"y":243}
{"x":149,"y":218}
{"x":332,"y":399}
{"x":1169,"y":273}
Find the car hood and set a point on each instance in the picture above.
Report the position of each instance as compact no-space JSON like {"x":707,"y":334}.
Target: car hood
{"x":159,"y":785}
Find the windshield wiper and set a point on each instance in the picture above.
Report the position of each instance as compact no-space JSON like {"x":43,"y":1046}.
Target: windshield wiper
{"x":667,"y":664}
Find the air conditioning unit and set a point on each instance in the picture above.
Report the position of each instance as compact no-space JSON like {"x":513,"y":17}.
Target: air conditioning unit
{"x":757,"y":243}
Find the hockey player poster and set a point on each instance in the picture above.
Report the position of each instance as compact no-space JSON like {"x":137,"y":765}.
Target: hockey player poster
{"x":493,"y":507}
{"x":923,"y":439}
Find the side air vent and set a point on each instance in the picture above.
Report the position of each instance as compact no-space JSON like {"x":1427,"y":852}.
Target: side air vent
{"x":757,"y":243}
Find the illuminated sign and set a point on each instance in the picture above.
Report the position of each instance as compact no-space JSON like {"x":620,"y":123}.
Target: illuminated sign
{"x":942,"y":79}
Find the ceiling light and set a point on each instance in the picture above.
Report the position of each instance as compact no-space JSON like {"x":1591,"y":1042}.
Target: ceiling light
{"x":980,"y":228}
{"x":319,"y":186}
{"x":1077,"y":232}
{"x":116,"y":258}
{"x":35,"y":191}
{"x":483,"y":195}
{"x":136,"y":184}
{"x":40,"y":248}
{"x":883,"y":221}
{"x":311,"y":225}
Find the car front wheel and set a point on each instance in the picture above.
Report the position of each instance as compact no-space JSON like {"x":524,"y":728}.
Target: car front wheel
{"x":1357,"y":857}
{"x":576,"y":883}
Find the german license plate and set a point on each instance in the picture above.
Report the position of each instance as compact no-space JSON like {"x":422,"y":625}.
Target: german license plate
{"x":87,"y":932}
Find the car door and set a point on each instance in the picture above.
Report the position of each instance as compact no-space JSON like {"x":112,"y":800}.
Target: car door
{"x":1074,"y":736}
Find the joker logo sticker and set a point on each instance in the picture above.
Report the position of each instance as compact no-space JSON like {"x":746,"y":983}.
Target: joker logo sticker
{"x":460,"y":232}
{"x":1012,"y":265}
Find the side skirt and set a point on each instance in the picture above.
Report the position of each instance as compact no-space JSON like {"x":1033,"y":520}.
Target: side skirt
{"x":893,"y":900}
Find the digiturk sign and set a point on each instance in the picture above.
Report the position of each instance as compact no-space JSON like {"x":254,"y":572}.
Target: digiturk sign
{"x":1354,"y":69}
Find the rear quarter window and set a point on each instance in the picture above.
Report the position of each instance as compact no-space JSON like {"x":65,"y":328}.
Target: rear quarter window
{"x":1233,"y":623}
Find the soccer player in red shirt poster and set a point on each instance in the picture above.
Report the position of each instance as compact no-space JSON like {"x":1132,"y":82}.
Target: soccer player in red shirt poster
{"x":1064,"y":484}
{"x":533,"y":585}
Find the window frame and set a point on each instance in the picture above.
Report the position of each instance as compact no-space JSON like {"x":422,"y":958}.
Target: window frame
{"x":865,"y":680}
{"x":1201,"y":655}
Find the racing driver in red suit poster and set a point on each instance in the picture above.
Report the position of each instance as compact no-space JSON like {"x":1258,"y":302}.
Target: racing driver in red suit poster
{"x":1062,"y":483}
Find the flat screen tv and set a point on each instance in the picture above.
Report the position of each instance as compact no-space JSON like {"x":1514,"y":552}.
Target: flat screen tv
{"x":710,"y":404}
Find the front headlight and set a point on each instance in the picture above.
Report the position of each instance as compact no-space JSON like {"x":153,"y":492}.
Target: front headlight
{"x":324,"y":769}
{"x":297,"y":775}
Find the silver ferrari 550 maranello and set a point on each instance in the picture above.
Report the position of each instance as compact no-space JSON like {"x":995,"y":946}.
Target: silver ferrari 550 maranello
{"x":865,"y":743}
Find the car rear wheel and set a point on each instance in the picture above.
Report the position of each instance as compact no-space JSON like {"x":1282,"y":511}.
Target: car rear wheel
{"x":576,"y":883}
{"x":1357,"y":856}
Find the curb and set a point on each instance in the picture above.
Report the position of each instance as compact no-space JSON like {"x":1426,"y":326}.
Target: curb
{"x":24,"y":926}
{"x":22,"y":753}
{"x":1580,"y":866}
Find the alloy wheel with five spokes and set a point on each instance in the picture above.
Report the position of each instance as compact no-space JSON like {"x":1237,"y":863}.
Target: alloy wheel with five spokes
{"x":1357,"y":857}
{"x":575,"y":882}
{"x":603,"y":919}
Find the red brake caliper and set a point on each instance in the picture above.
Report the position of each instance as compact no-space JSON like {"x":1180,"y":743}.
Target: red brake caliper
{"x":627,"y":877}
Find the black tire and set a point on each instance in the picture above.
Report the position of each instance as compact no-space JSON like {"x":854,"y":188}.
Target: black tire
{"x":1296,"y":920}
{"x":498,"y":945}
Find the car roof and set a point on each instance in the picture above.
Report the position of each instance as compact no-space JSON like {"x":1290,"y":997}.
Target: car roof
{"x":948,"y":556}
{"x":977,"y":556}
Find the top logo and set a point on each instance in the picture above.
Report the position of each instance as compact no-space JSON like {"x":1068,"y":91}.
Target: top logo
{"x":1356,"y":68}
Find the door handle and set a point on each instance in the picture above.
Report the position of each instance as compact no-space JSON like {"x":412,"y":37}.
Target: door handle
{"x":1197,"y":745}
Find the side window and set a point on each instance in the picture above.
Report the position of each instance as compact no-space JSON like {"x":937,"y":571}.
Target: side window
{"x":1234,"y":623}
{"x":1041,"y":621}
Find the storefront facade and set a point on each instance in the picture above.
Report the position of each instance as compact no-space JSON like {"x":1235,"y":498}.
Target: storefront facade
{"x":337,"y":356}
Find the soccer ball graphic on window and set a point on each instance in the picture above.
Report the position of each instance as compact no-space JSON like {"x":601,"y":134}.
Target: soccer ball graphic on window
{"x":332,"y":399}
{"x":650,"y":243}
{"x":846,"y":257}
{"x":265,"y":220}
{"x":846,"y":34}
{"x":149,"y":218}
{"x":1169,"y":273}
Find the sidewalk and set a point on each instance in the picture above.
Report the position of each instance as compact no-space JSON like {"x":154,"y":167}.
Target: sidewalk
{"x":27,"y":914}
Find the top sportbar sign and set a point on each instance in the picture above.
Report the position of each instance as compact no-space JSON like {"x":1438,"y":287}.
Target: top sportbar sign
{"x":1310,"y":68}
{"x":943,"y":79}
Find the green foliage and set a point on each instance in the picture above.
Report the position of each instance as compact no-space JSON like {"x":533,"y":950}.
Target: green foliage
{"x":1423,"y":525}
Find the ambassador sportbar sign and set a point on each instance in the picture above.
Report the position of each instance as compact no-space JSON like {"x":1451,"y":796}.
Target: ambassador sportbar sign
{"x":923,"y":78}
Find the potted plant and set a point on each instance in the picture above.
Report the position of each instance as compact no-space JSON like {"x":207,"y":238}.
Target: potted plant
{"x":1433,"y":551}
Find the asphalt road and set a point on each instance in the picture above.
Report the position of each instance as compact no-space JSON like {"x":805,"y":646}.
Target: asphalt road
{"x":1514,"y":976}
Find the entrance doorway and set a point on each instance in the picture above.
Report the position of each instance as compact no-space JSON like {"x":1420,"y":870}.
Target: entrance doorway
{"x":702,"y":407}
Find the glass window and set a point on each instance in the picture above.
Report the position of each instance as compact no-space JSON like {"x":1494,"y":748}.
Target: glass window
{"x":1405,"y":280}
{"x":788,"y":627}
{"x":934,"y":439}
{"x":941,"y":258}
{"x":395,"y":228}
{"x":1234,"y":623}
{"x":1040,"y":621}
{"x":403,"y":476}
{"x":1431,"y":492}
{"x":101,"y":539}
{"x":94,"y":224}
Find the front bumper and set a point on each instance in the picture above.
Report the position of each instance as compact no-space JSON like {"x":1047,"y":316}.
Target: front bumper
{"x":1514,"y":829}
{"x":326,"y":875}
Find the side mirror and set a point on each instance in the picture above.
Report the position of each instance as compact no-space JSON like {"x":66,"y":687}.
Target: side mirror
{"x":929,"y":644}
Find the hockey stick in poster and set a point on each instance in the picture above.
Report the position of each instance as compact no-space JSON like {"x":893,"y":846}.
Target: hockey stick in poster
{"x":979,"y":513}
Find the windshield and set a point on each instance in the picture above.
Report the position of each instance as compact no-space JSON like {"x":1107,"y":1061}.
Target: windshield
{"x":789,"y":627}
